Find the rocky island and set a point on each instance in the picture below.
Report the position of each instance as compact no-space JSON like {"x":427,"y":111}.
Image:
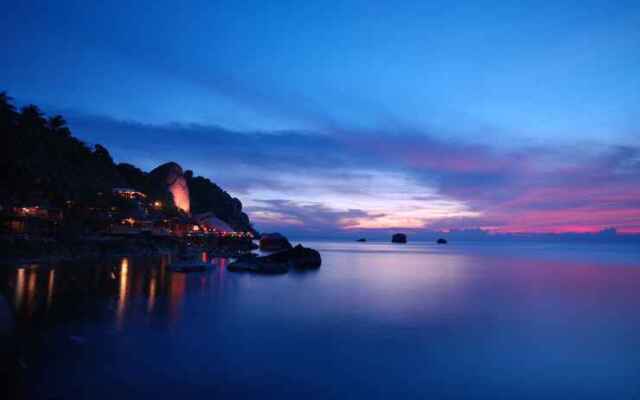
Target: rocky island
{"x":399,"y":238}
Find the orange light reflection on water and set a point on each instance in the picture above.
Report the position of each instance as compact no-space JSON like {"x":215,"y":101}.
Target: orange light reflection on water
{"x":31,"y":292}
{"x":50,"y":286}
{"x":152,"y":292}
{"x":19,"y":288}
{"x":122,"y":292}
{"x":176,"y":293}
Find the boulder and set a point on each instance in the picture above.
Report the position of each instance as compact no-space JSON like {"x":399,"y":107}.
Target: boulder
{"x":172,"y":176}
{"x":252,"y":263}
{"x":399,"y":238}
{"x":361,"y":240}
{"x":298,"y":257}
{"x":441,"y":241}
{"x":274,"y":242}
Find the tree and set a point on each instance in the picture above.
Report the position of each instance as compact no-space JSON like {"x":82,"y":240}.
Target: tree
{"x":58,"y":126}
{"x":31,"y":120}
{"x":8,"y":113}
{"x":102,"y":155}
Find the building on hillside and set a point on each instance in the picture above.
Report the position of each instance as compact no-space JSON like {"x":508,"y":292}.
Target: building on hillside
{"x":31,"y":219}
{"x":211,"y":224}
{"x":176,"y":226}
{"x":129,"y":194}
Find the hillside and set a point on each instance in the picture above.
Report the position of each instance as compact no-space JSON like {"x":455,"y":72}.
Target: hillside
{"x":41,"y":161}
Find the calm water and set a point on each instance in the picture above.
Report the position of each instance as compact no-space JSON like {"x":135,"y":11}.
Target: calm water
{"x":472,"y":321}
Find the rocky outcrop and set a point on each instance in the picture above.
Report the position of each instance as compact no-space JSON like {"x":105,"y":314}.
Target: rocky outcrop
{"x":206,"y":196}
{"x":172,"y":176}
{"x":399,"y":238}
{"x":299,"y":257}
{"x":274,"y":242}
{"x":361,"y":240}
{"x":253,"y":263}
{"x":441,"y":241}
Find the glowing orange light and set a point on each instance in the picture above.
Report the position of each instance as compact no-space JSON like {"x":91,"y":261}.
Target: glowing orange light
{"x":19,"y":288}
{"x":180,"y":192}
{"x":122,"y":295}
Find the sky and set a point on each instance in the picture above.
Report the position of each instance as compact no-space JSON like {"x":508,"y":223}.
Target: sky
{"x":356,"y":116}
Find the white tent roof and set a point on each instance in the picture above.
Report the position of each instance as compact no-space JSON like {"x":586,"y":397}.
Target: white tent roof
{"x":211,"y":221}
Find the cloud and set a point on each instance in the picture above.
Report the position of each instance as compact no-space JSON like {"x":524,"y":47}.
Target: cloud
{"x":378,"y":180}
{"x":280,"y":213}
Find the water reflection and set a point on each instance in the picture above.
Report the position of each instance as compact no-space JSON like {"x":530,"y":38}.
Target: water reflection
{"x":31,"y":293}
{"x":19,"y":288}
{"x":463,"y":322}
{"x":122,"y":291}
{"x":176,"y":293}
{"x":133,"y":286}
{"x":50,"y":285}
{"x":152,"y":292}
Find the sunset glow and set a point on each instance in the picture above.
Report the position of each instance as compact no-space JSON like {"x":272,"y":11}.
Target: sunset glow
{"x":501,"y":122}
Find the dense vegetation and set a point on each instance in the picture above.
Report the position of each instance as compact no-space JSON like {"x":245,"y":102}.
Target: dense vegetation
{"x":39,"y":158}
{"x":41,"y":161}
{"x":207,"y":196}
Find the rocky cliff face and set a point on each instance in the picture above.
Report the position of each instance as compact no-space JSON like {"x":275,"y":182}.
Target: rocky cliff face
{"x":207,"y":196}
{"x":200,"y":195}
{"x":171,"y":174}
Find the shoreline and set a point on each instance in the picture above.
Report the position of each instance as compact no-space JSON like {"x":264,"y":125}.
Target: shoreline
{"x":21,"y":251}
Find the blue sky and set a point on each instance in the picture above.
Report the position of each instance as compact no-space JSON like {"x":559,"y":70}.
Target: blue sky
{"x":340,"y":112}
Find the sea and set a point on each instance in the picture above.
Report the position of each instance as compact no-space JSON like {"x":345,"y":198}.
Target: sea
{"x":517,"y":320}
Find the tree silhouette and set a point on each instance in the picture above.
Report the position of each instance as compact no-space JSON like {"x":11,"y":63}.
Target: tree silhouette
{"x":40,"y":160}
{"x":58,"y":126}
{"x":8,"y":113}
{"x":102,"y":154}
{"x":32,"y":118}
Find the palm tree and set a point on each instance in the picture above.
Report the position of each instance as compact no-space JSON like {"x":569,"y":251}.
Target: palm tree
{"x":7,"y":111}
{"x":31,"y":118}
{"x":58,"y":125}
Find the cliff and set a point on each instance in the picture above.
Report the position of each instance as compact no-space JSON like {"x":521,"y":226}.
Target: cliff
{"x":171,"y":176}
{"x":207,"y":196}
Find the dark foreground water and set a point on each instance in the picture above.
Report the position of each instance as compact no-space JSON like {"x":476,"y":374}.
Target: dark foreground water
{"x":463,"y":321}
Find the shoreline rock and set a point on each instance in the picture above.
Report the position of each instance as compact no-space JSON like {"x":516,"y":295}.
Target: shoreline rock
{"x":252,"y":263}
{"x":299,"y":258}
{"x":274,"y":242}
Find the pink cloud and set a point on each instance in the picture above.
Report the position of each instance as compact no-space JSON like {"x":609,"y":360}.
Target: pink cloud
{"x":536,"y":190}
